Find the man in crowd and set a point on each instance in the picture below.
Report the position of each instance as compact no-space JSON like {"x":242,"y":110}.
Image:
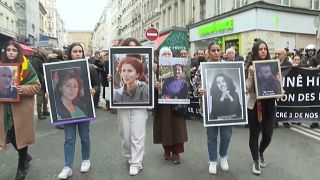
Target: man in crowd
{"x":37,"y":62}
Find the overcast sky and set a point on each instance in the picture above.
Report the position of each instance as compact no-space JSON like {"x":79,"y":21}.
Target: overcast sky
{"x":80,"y":14}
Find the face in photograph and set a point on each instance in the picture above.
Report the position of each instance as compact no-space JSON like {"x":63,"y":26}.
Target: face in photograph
{"x":178,"y":71}
{"x":265,"y":72}
{"x":128,"y":74}
{"x":69,"y":89}
{"x":5,"y":77}
{"x":222,"y":84}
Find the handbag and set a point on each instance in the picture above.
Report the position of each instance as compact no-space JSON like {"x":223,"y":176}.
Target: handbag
{"x":181,"y":109}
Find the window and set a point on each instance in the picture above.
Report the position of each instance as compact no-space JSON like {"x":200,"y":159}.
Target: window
{"x":218,"y":7}
{"x":286,"y":2}
{"x":202,"y":9}
{"x":314,"y":4}
{"x":239,"y":3}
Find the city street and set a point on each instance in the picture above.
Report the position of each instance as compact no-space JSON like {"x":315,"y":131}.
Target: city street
{"x":291,"y":155}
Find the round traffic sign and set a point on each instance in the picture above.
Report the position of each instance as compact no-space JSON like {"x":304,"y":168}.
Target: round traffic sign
{"x":152,"y":34}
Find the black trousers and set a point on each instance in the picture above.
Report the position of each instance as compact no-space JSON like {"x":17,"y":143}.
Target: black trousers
{"x":265,"y":127}
{"x":11,"y":135}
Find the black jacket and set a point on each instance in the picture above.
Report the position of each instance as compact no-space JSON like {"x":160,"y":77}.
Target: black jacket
{"x":37,"y":64}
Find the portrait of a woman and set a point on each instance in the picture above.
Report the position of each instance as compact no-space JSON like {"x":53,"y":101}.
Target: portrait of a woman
{"x":175,"y":87}
{"x":67,"y":93}
{"x":134,"y":87}
{"x":225,"y":99}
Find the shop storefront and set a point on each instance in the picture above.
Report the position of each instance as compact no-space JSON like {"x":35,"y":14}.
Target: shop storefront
{"x":279,"y":26}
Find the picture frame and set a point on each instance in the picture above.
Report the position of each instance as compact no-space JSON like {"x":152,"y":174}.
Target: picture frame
{"x":68,"y":85}
{"x":131,"y":58}
{"x":9,"y":80}
{"x":224,"y":102}
{"x":174,"y":80}
{"x":268,"y":79}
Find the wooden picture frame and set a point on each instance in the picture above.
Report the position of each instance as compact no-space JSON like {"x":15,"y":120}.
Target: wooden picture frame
{"x":9,"y":80}
{"x":267,"y":79}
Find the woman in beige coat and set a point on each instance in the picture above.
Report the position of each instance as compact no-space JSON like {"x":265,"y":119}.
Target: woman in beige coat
{"x":17,"y":126}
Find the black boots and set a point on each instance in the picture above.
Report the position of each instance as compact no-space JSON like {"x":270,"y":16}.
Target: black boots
{"x":21,"y":173}
{"x":23,"y":168}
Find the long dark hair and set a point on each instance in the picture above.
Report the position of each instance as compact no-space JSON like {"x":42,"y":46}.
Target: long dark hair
{"x":19,"y":57}
{"x":215,"y":91}
{"x":70,"y":50}
{"x":255,"y":54}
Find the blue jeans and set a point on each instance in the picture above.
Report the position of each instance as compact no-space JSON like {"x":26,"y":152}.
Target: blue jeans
{"x":70,"y":140}
{"x":212,"y":135}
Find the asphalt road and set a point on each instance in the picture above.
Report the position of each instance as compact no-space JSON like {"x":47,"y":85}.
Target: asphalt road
{"x":291,"y":155}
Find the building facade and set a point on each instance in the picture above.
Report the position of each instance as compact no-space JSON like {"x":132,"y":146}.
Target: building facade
{"x":83,"y":37}
{"x":7,"y":21}
{"x":101,"y":38}
{"x":274,"y":23}
{"x":27,"y":24}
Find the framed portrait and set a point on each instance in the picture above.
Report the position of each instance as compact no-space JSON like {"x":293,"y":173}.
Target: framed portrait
{"x":174,"y":79}
{"x":132,"y":83}
{"x":224,"y":101}
{"x":268,"y":79}
{"x":9,"y":80}
{"x":68,"y":85}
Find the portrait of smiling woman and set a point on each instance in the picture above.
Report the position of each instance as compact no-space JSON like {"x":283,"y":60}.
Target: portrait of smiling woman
{"x":223,"y":92}
{"x":134,"y":87}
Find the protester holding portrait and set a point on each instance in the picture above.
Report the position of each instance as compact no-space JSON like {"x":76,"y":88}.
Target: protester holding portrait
{"x":17,"y":124}
{"x":225,"y":131}
{"x":75,"y":52}
{"x":169,"y":127}
{"x":261,"y":113}
{"x":132,"y":121}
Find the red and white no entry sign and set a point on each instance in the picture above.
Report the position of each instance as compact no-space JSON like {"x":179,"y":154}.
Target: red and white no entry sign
{"x":152,"y":34}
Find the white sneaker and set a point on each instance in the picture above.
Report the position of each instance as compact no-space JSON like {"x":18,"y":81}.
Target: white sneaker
{"x":65,"y":173}
{"x":85,"y":166}
{"x":213,"y":167}
{"x":134,"y":170}
{"x":224,"y":163}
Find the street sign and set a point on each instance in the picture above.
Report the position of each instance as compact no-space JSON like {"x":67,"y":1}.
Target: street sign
{"x":152,"y":34}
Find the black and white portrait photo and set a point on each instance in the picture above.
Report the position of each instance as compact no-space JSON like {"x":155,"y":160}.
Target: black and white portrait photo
{"x":268,"y":79}
{"x":224,"y":101}
{"x":132,"y":78}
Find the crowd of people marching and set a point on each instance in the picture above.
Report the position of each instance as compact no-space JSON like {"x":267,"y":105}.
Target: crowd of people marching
{"x":18,"y":125}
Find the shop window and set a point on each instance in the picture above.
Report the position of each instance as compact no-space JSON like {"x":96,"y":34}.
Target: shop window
{"x":202,"y":9}
{"x":239,"y":3}
{"x":314,"y":4}
{"x":286,"y":2}
{"x":218,"y":7}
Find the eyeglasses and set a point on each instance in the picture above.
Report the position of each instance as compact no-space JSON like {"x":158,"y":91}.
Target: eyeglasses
{"x":215,"y":50}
